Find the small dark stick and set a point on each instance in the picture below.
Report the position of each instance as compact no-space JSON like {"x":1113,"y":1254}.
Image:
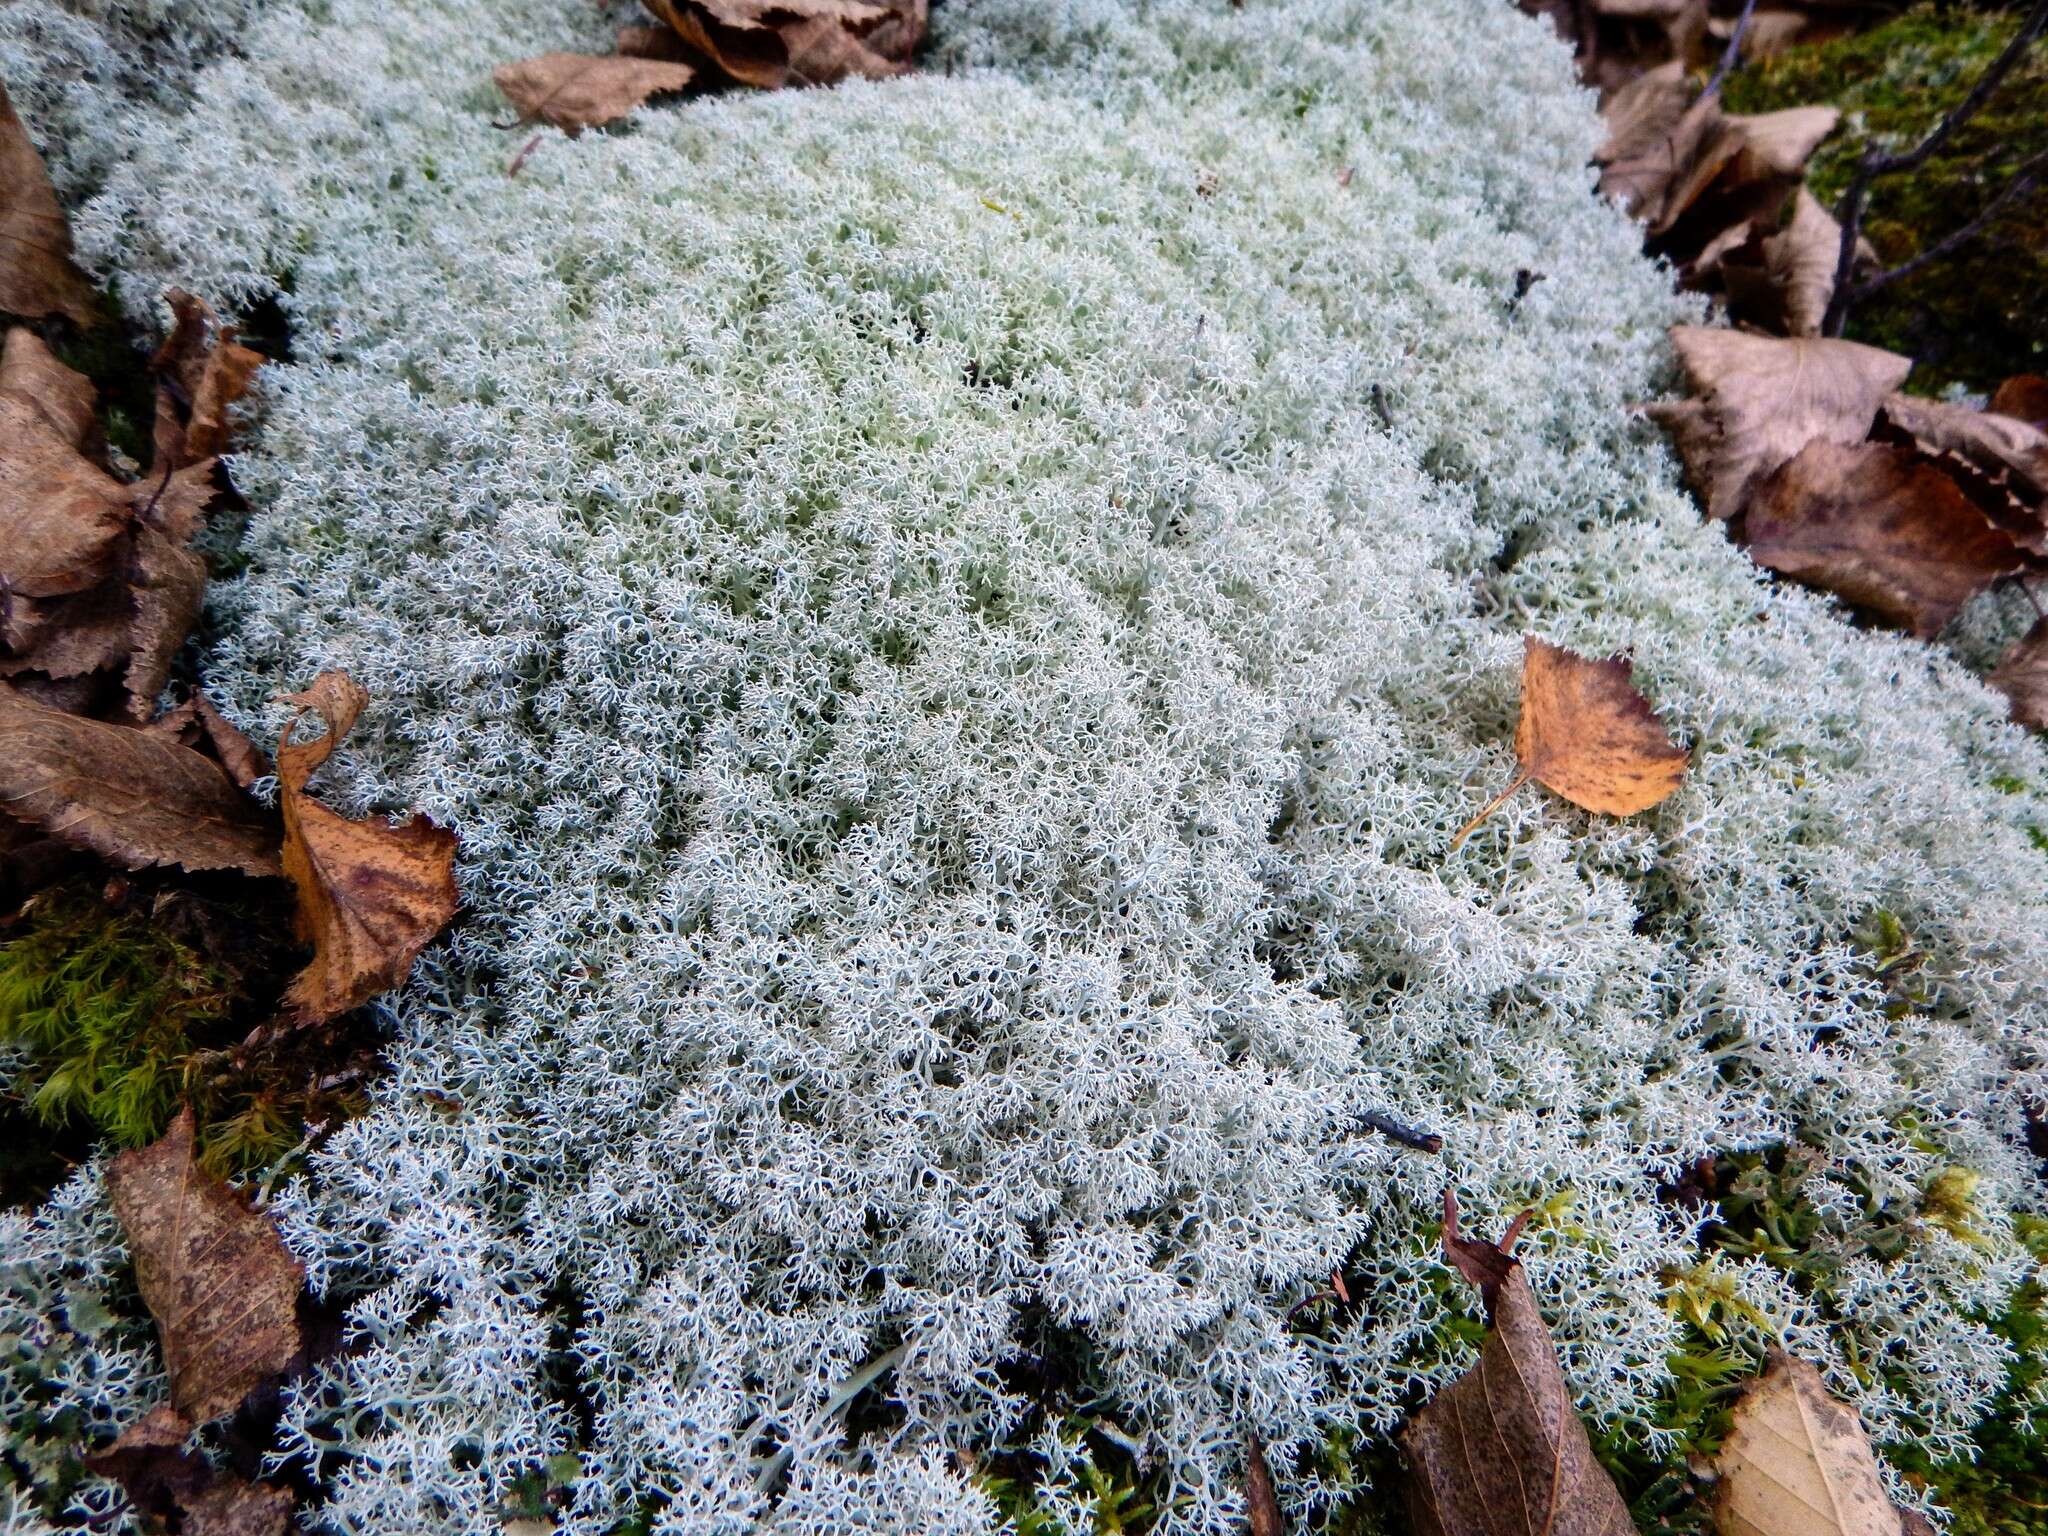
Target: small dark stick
{"x":1379,"y":405}
{"x":1525,"y":279}
{"x":1733,"y":51}
{"x":520,"y":159}
{"x":1261,"y":1504}
{"x":1397,"y":1130}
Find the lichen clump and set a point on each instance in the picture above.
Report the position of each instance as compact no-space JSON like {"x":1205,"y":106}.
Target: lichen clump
{"x":956,"y":620}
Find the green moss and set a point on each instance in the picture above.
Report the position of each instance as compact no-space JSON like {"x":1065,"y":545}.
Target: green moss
{"x":119,"y":1021}
{"x":1982,"y":314}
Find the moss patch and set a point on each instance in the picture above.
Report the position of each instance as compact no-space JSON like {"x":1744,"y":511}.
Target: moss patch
{"x":1981,"y":314}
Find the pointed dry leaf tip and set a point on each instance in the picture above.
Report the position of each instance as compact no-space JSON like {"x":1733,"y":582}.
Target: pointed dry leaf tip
{"x":201,"y":372}
{"x":37,"y":274}
{"x":1501,"y":1451}
{"x":1262,"y":1504}
{"x":1797,"y":1463}
{"x":216,"y":1278}
{"x":133,"y":796}
{"x":1483,"y":1264}
{"x":770,"y":44}
{"x":372,"y":893}
{"x":2022,"y":676}
{"x":1586,"y":734}
{"x":1882,"y":527}
{"x":1761,"y":399}
{"x":574,"y":91}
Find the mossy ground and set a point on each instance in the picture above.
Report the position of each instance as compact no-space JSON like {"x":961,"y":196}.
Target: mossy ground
{"x":1981,"y":314}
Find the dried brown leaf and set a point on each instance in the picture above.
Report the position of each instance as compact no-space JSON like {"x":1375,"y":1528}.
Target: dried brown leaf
{"x":2025,"y":397}
{"x":1882,"y":527}
{"x":201,"y":371}
{"x":1586,"y":734}
{"x":2022,"y":676}
{"x":37,"y":274}
{"x":64,"y":398}
{"x":216,"y":1278}
{"x":1800,"y":262}
{"x":1767,"y":398}
{"x":1501,"y":1450}
{"x":2000,"y":461}
{"x":574,"y":91}
{"x":132,"y":796}
{"x":177,"y":1487}
{"x":61,"y":516}
{"x":371,"y":894}
{"x":1262,"y":1504}
{"x":1797,"y":1463}
{"x":770,"y":44}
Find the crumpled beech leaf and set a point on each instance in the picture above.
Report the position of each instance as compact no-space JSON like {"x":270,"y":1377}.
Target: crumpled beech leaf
{"x":37,"y":274}
{"x":770,"y":44}
{"x":1882,"y":527}
{"x":136,"y":797}
{"x":372,"y":893}
{"x":1586,"y":734}
{"x":1797,"y":1463}
{"x":213,"y":1272}
{"x":201,"y":371}
{"x":1761,"y":399}
{"x":1999,"y":461}
{"x":1501,"y":1450}
{"x":574,"y":91}
{"x":179,"y":1488}
{"x":2022,"y":676}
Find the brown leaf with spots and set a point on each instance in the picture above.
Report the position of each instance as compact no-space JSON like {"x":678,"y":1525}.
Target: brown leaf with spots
{"x":219,"y":1283}
{"x":37,"y":274}
{"x":770,"y":44}
{"x":2022,"y":676}
{"x":1797,"y":1463}
{"x":372,"y":893}
{"x":201,"y":371}
{"x":1882,"y":527}
{"x":575,"y":91}
{"x":1761,"y":399}
{"x":179,"y":1489}
{"x":1586,"y":734}
{"x":1501,"y":1451}
{"x":135,"y":797}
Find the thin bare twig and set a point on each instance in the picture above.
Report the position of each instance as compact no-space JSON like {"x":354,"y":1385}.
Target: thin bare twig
{"x":1875,"y":162}
{"x":2023,"y":181}
{"x":1733,"y":51}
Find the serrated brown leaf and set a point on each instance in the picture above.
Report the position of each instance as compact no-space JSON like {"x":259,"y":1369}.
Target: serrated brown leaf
{"x":1764,"y":398}
{"x":574,"y":91}
{"x":1999,"y":461}
{"x":179,"y":1489}
{"x":770,"y":44}
{"x":371,"y":894}
{"x":2022,"y":676}
{"x":201,"y":371}
{"x":1881,"y":527}
{"x":1501,"y":1450}
{"x":37,"y":275}
{"x":1797,"y":1463}
{"x":1587,"y":734}
{"x":135,"y":797}
{"x":213,"y":1273}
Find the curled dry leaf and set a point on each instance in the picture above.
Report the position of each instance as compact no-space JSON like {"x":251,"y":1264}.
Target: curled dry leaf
{"x":371,"y":894}
{"x":1501,"y":1451}
{"x":770,"y":44}
{"x":1881,"y":527}
{"x":2022,"y":676}
{"x":219,"y":1283}
{"x":135,"y":797}
{"x":201,"y":371}
{"x":1761,"y":399}
{"x":1587,"y":734}
{"x":574,"y":91}
{"x":1798,"y":267}
{"x":37,"y":274}
{"x":180,"y":1489}
{"x":1797,"y":1463}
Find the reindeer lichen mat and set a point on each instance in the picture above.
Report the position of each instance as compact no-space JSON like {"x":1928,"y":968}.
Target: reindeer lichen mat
{"x":956,"y":620}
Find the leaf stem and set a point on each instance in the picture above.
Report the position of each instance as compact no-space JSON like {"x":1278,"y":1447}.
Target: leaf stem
{"x":1489,"y":808}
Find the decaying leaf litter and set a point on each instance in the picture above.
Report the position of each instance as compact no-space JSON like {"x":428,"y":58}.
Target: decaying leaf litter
{"x":1802,"y":443}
